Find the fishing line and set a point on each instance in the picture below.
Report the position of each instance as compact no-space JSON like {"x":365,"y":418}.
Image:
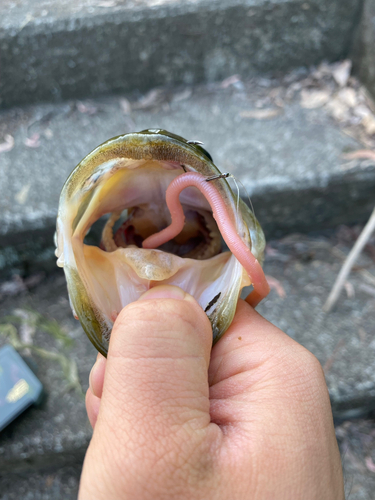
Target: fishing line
{"x":227,"y":175}
{"x":246,"y":191}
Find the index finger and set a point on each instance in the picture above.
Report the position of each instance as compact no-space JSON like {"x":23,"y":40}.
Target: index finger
{"x":252,"y":346}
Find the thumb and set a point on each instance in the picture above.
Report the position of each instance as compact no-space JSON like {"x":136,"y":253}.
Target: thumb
{"x":155,"y":391}
{"x":158,"y":359}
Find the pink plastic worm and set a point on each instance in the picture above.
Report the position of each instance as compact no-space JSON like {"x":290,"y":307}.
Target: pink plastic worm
{"x":221,"y":215}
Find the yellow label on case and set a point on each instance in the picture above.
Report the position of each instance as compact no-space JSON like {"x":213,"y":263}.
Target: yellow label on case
{"x":17,"y":391}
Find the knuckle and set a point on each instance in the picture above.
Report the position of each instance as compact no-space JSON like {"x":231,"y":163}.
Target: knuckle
{"x":309,"y":377}
{"x":303,"y":372}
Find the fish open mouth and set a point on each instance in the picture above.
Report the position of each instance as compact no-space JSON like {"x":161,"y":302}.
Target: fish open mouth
{"x":199,"y":239}
{"x":128,"y":179}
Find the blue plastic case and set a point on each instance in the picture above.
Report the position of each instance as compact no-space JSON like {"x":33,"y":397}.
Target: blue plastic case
{"x":19,"y":387}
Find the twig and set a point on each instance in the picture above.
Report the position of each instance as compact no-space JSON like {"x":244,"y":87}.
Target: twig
{"x":349,"y":262}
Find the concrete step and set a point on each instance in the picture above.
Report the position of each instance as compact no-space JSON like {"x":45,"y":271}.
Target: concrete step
{"x":356,"y":440}
{"x":52,"y":484}
{"x":54,"y":49}
{"x":283,"y":138}
{"x":302,"y":270}
{"x":57,"y":432}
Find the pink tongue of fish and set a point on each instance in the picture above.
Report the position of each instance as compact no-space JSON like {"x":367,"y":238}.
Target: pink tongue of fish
{"x":228,"y":232}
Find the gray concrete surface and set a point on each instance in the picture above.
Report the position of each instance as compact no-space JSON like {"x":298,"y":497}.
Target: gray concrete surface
{"x":290,"y":163}
{"x":57,"y":432}
{"x":356,"y":441}
{"x":53,"y":484}
{"x":53,"y":49}
{"x":344,"y":342}
{"x":364,"y":46}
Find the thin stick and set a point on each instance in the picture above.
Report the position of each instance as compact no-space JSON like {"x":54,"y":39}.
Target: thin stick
{"x":349,"y":262}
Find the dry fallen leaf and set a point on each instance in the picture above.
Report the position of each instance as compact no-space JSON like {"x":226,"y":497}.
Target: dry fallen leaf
{"x":125,"y":106}
{"x":8,"y":144}
{"x":348,"y":96}
{"x":361,"y":154}
{"x":370,"y":290}
{"x":349,"y":288}
{"x":33,"y":141}
{"x":182,"y":96}
{"x":324,"y":69}
{"x":21,"y":196}
{"x":108,"y":3}
{"x":276,"y":285}
{"x":370,"y":464}
{"x":48,"y":133}
{"x":231,"y":80}
{"x":86,"y":108}
{"x":151,"y":99}
{"x":311,"y":99}
{"x":341,"y":72}
{"x":261,"y":114}
{"x":361,"y":111}
{"x":338,"y":109}
{"x":369,"y":124}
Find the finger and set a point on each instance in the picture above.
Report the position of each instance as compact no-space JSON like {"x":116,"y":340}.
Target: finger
{"x":249,"y":342}
{"x":92,"y":407}
{"x":255,"y":362}
{"x":158,"y":360}
{"x":269,"y":395}
{"x":155,"y":399}
{"x":96,"y":378}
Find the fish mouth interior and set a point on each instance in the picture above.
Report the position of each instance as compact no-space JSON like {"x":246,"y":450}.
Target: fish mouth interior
{"x":119,"y":270}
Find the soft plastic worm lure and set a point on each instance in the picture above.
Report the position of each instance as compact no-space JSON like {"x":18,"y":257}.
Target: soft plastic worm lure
{"x":222,"y":218}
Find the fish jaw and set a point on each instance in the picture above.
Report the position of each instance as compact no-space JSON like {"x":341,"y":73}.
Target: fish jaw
{"x":132,"y":171}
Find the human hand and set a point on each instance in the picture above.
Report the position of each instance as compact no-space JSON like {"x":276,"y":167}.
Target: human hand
{"x":249,"y":420}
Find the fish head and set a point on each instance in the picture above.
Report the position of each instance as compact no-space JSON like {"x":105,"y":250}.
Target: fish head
{"x":122,"y":185}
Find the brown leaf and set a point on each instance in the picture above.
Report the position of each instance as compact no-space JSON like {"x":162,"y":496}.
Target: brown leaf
{"x":370,"y":464}
{"x":182,"y":96}
{"x":311,"y":99}
{"x":86,"y":108}
{"x":108,"y":3}
{"x":231,"y":80}
{"x":338,"y":109}
{"x":360,"y":154}
{"x":125,"y":106}
{"x":367,"y":289}
{"x":369,"y":124}
{"x":261,"y":114}
{"x":341,"y":72}
{"x":361,"y":111}
{"x":276,"y":285}
{"x":8,"y":144}
{"x":151,"y":99}
{"x":348,"y":96}
{"x":349,"y":288}
{"x":33,"y":141}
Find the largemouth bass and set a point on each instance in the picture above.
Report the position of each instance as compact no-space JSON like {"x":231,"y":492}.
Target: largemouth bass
{"x":167,"y":209}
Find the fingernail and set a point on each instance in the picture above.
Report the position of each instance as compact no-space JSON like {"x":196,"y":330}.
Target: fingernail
{"x":164,"y":292}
